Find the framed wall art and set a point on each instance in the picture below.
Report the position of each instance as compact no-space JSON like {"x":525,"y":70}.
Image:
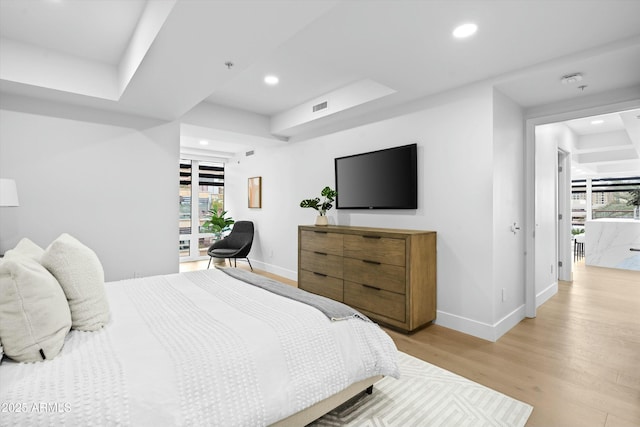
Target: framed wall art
{"x":255,"y":192}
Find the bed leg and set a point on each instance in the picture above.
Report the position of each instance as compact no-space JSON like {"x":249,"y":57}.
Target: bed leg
{"x":369,"y":389}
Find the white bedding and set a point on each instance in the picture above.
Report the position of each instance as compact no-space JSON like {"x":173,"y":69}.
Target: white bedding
{"x":192,"y":349}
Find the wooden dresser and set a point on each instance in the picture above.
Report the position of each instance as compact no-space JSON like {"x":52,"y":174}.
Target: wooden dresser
{"x":387,"y":274}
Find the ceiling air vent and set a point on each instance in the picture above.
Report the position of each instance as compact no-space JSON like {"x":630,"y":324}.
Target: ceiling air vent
{"x":249,"y":153}
{"x":320,"y":106}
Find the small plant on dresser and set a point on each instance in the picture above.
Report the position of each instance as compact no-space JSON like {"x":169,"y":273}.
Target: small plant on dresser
{"x":322,"y":208}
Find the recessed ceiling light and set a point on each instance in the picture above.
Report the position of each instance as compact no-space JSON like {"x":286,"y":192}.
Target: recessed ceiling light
{"x":465,"y":30}
{"x":271,"y":80}
{"x":597,"y":122}
{"x":203,"y":142}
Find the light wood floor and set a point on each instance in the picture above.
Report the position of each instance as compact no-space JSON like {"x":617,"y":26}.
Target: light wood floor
{"x":577,"y":363}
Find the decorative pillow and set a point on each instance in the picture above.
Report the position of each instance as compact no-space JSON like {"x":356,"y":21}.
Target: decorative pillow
{"x":34,"y":314}
{"x":26,"y":247}
{"x":1,"y":349}
{"x":81,"y":276}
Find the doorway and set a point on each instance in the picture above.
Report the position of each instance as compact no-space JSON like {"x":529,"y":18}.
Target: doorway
{"x":540,"y":201}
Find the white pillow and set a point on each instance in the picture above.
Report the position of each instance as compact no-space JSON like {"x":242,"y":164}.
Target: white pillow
{"x":81,"y":276}
{"x":34,"y":314}
{"x":26,"y":247}
{"x":1,"y":349}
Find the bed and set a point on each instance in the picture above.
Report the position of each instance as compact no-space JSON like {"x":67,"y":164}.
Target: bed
{"x":199,"y":348}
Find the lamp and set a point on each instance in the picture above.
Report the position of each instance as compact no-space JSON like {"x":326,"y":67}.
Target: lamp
{"x":8,"y":193}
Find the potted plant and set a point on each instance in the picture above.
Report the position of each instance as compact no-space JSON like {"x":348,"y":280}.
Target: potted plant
{"x":217,"y":224}
{"x":322,"y":208}
{"x":634,"y":200}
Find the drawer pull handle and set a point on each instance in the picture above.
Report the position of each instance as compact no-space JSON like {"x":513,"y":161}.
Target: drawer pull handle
{"x":371,"y":262}
{"x":319,"y":232}
{"x":634,"y":249}
{"x":372,"y":287}
{"x":370,"y":237}
{"x":319,"y":253}
{"x":319,"y":274}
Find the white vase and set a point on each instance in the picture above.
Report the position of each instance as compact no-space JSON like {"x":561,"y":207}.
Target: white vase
{"x":322,"y":220}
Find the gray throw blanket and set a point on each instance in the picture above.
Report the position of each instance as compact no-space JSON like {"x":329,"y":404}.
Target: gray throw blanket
{"x":334,"y":310}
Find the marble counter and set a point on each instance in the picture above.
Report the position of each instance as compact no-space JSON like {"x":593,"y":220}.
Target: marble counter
{"x":609,"y":243}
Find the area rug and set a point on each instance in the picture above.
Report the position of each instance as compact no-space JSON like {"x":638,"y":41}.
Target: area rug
{"x":426,"y":395}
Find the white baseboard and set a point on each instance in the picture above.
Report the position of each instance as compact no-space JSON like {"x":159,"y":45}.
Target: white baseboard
{"x":505,"y":324}
{"x":486,"y":331}
{"x":547,"y":293}
{"x":289,"y":274}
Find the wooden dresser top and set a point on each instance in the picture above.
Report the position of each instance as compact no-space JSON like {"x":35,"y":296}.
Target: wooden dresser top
{"x":348,"y":229}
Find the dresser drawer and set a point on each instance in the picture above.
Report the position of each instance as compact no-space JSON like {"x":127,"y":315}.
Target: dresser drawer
{"x":321,"y":241}
{"x":321,"y":262}
{"x":374,"y":248}
{"x":384,"y":276}
{"x":377,"y":301}
{"x":326,"y":286}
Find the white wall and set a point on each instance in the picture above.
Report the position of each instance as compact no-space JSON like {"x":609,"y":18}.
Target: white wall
{"x":456,"y":152}
{"x":508,"y":209}
{"x":109,"y":180}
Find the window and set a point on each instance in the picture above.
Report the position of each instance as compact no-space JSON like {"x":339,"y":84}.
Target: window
{"x":608,"y":198}
{"x":201,"y":190}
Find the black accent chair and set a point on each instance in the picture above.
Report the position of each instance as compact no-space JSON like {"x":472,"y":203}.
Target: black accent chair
{"x":236,"y":245}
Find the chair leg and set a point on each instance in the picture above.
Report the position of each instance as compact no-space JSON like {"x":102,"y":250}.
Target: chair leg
{"x":579,"y":250}
{"x":235,"y":262}
{"x":209,"y":265}
{"x":250,"y":264}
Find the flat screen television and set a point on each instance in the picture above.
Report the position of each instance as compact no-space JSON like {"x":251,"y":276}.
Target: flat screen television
{"x":383,"y":179}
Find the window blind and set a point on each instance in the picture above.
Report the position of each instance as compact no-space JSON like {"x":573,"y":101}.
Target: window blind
{"x":606,"y":185}
{"x":210,"y":174}
{"x":185,"y":172}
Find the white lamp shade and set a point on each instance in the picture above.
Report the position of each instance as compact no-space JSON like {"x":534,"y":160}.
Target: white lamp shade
{"x":8,"y":193}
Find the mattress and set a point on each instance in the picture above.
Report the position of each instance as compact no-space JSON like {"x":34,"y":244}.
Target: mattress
{"x":198,"y":348}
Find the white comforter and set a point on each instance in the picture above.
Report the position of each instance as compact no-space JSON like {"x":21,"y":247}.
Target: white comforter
{"x":197,"y":348}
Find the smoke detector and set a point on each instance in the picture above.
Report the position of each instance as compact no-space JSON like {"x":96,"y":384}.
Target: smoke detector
{"x":570,"y":79}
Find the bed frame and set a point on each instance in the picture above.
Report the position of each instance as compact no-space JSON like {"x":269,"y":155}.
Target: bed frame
{"x":314,"y":412}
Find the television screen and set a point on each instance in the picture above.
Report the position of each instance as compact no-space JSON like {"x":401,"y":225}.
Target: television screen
{"x":384,"y":179}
